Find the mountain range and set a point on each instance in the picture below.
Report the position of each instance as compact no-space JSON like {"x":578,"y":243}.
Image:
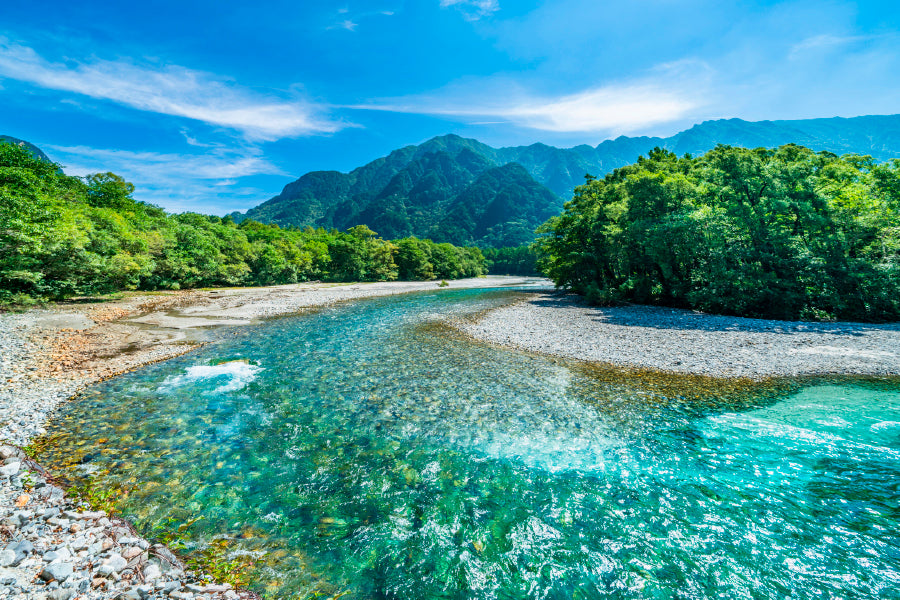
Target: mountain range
{"x":465,"y":192}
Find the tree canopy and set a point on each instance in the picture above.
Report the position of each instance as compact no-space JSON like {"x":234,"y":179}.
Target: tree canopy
{"x":63,"y":236}
{"x":779,"y":233}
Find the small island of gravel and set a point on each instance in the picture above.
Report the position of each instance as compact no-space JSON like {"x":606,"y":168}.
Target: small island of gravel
{"x":686,"y":341}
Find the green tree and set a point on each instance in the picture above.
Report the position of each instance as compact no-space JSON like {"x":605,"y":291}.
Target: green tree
{"x":783,"y":233}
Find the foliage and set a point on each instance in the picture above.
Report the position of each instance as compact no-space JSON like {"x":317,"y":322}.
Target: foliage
{"x":214,"y":558}
{"x":518,"y":260}
{"x":64,"y":236}
{"x":782,"y":233}
{"x":95,"y":493}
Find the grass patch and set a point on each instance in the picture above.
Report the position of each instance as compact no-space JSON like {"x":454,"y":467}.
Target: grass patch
{"x":97,"y":496}
{"x":213,"y":559}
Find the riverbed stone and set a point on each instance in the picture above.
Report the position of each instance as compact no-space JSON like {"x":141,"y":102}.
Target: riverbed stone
{"x":152,"y":572}
{"x":23,"y":546}
{"x":113,"y":564}
{"x":62,"y":594}
{"x":7,"y":557}
{"x":10,"y":469}
{"x":58,"y":571}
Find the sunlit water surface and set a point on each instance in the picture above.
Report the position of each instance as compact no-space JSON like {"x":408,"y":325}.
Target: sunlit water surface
{"x":361,"y":450}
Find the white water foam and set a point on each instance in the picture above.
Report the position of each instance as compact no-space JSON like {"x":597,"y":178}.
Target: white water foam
{"x":885,"y":426}
{"x":239,"y":374}
{"x":551,"y":453}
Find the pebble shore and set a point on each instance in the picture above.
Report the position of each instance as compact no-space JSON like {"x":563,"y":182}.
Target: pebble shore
{"x":54,"y":549}
{"x":51,"y":548}
{"x":684,"y":341}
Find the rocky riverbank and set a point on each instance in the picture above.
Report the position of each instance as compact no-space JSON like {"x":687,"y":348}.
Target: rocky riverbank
{"x":685,"y":341}
{"x":53,"y":548}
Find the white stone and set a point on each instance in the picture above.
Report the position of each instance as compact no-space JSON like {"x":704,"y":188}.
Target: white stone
{"x":10,"y":469}
{"x":152,"y":572}
{"x":113,"y":564}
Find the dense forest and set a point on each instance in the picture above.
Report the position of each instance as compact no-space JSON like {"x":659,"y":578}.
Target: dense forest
{"x":516,"y":260}
{"x":63,"y":236}
{"x":783,"y":233}
{"x":778,"y":233}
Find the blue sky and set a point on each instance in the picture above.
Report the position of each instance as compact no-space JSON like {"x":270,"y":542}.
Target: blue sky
{"x":214,"y":106}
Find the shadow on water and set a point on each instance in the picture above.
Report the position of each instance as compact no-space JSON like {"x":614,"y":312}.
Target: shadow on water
{"x":363,"y":449}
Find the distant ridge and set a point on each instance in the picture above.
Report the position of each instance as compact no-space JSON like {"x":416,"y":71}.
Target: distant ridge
{"x":34,"y":149}
{"x":436,"y":189}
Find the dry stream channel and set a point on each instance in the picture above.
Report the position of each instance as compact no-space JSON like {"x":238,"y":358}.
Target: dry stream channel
{"x":363,"y":449}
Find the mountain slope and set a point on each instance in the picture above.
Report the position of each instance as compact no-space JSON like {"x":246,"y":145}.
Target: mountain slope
{"x":501,"y":208}
{"x":436,"y":188}
{"x":424,"y":188}
{"x":562,"y":170}
{"x":34,"y":149}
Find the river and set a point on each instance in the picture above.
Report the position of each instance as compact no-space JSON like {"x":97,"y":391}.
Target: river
{"x":365,"y":449}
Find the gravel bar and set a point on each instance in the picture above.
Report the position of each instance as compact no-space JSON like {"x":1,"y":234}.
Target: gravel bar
{"x":686,"y":341}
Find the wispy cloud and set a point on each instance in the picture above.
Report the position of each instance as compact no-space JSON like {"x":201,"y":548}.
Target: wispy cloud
{"x":218,"y":164}
{"x":350,"y":21}
{"x":825,"y":41}
{"x":347,"y":24}
{"x":177,"y":182}
{"x":473,"y":10}
{"x":616,"y":108}
{"x":170,"y":90}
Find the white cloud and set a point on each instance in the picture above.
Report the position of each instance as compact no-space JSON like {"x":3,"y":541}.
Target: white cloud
{"x":221,"y":164}
{"x":824,"y":42}
{"x":601,"y":109}
{"x":170,"y":90}
{"x":351,"y":23}
{"x":473,"y":9}
{"x":614,"y":108}
{"x":177,"y":182}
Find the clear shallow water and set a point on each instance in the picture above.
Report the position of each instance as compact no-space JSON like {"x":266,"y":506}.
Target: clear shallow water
{"x":361,"y":450}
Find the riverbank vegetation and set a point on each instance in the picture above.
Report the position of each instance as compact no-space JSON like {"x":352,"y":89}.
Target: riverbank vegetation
{"x":779,"y":233}
{"x":517,"y":260}
{"x":63,"y":236}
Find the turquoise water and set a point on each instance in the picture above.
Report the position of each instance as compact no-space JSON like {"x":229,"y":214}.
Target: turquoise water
{"x":363,"y":450}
